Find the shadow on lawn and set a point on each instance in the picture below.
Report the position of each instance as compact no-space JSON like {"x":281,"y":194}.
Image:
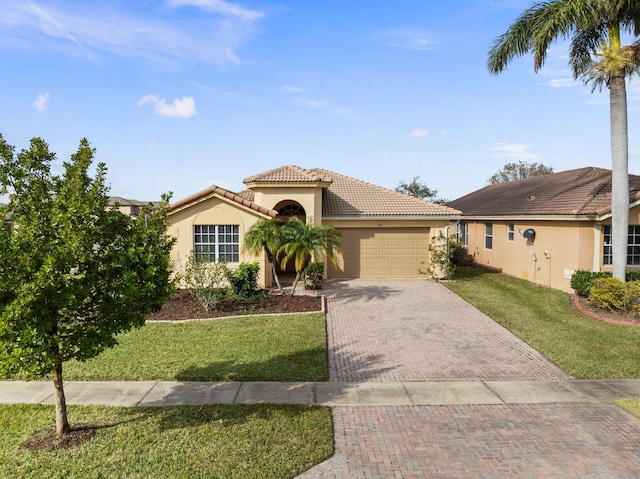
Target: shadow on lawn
{"x":305,"y":365}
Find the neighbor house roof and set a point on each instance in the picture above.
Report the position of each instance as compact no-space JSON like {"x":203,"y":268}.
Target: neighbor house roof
{"x":581,"y":192}
{"x":230,"y":195}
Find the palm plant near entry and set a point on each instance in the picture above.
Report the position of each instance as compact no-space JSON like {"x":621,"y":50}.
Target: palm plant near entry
{"x":265,"y":235}
{"x":304,"y":242}
{"x":597,"y":57}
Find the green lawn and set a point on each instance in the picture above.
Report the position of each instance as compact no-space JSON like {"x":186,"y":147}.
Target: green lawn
{"x":274,"y":348}
{"x":545,"y":319}
{"x":257,"y":441}
{"x":222,"y":441}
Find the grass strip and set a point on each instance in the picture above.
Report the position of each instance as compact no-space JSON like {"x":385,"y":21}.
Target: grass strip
{"x":274,"y":348}
{"x":238,"y":441}
{"x":544,"y":318}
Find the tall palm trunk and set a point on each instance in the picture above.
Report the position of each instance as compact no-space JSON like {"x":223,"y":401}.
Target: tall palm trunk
{"x":620,"y":175}
{"x":619,"y":160}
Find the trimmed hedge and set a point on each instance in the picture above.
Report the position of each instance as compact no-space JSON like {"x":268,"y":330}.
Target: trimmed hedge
{"x":582,"y":280}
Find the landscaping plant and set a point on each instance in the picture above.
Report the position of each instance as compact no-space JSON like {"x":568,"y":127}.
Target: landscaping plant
{"x":244,"y":281}
{"x":74,"y":273}
{"x":304,"y":242}
{"x":207,"y":282}
{"x":313,"y":274}
{"x":444,"y":254}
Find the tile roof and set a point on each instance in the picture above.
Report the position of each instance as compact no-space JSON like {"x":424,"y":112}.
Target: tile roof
{"x":216,"y":190}
{"x":344,"y":196}
{"x":350,"y":197}
{"x":580,"y":192}
{"x":288,"y":174}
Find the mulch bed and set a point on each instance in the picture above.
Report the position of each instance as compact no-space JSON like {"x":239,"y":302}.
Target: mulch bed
{"x":46,"y":440}
{"x":182,"y":306}
{"x":586,"y":308}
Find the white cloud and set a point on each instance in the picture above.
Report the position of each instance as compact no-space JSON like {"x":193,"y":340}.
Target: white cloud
{"x":153,"y":32}
{"x":184,"y":107}
{"x":409,"y":39}
{"x":444,"y":132}
{"x":420,"y":133}
{"x":563,"y":82}
{"x":330,"y":107}
{"x":42,"y":102}
{"x":292,"y":89}
{"x":515,"y":151}
{"x":219,"y":7}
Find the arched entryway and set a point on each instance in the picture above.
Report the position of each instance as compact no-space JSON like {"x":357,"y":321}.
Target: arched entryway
{"x":289,"y":209}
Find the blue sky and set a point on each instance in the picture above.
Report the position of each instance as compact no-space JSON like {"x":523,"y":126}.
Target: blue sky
{"x":177,"y":95}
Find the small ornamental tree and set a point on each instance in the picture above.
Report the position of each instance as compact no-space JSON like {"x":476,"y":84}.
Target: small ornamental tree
{"x":304,"y":242}
{"x":74,"y":273}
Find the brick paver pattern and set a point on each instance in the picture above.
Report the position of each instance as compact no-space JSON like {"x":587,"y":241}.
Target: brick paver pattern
{"x":417,"y":330}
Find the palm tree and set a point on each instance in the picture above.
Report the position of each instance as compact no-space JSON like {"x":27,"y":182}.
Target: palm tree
{"x":265,"y":235}
{"x":597,"y":57}
{"x":304,"y":242}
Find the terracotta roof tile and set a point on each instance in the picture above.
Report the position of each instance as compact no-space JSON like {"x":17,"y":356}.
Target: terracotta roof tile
{"x":580,"y":192}
{"x":215,"y":190}
{"x":288,"y":174}
{"x":350,"y":197}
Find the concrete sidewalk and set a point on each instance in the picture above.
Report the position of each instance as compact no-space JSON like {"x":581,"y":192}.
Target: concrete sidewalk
{"x":335,"y":394}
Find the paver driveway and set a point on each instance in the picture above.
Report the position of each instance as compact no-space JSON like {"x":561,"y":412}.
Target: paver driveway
{"x":417,"y":330}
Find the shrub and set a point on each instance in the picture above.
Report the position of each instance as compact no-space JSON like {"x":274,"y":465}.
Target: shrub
{"x":610,"y":294}
{"x":634,"y":297}
{"x":443,"y":253}
{"x":581,"y":280}
{"x":244,"y":281}
{"x":313,"y":274}
{"x":207,"y":282}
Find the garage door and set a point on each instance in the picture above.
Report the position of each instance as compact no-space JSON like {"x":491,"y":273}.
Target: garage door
{"x":388,"y":253}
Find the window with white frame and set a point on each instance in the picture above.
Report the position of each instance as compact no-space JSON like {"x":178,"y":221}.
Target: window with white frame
{"x":212,"y":242}
{"x":633,"y":246}
{"x":462,"y":233}
{"x":488,"y":236}
{"x":511,"y":231}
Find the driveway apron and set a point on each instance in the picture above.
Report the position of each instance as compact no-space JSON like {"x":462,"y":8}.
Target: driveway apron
{"x":417,"y":330}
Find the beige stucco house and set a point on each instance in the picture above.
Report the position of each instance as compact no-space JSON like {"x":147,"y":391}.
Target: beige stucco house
{"x":544,"y":228}
{"x":385,"y":234}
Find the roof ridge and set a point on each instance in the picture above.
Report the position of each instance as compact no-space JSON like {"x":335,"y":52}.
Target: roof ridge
{"x":236,"y":198}
{"x":306,"y":173}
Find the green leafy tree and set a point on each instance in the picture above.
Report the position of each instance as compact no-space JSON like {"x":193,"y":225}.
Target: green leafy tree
{"x":420,"y":190}
{"x":73,"y":273}
{"x":265,"y":235}
{"x":304,"y":242}
{"x":519,"y":171}
{"x":416,"y":188}
{"x":597,"y":57}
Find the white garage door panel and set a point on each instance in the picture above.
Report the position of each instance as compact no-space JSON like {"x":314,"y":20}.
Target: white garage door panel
{"x":388,"y":253}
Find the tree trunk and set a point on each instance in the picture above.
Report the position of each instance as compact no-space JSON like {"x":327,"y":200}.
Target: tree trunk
{"x":62,"y":424}
{"x":620,"y":175}
{"x":272,"y":262}
{"x":295,"y":282}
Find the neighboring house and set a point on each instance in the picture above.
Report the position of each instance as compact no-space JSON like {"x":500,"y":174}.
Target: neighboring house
{"x":544,"y":228}
{"x":385,"y":234}
{"x":129,"y":207}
